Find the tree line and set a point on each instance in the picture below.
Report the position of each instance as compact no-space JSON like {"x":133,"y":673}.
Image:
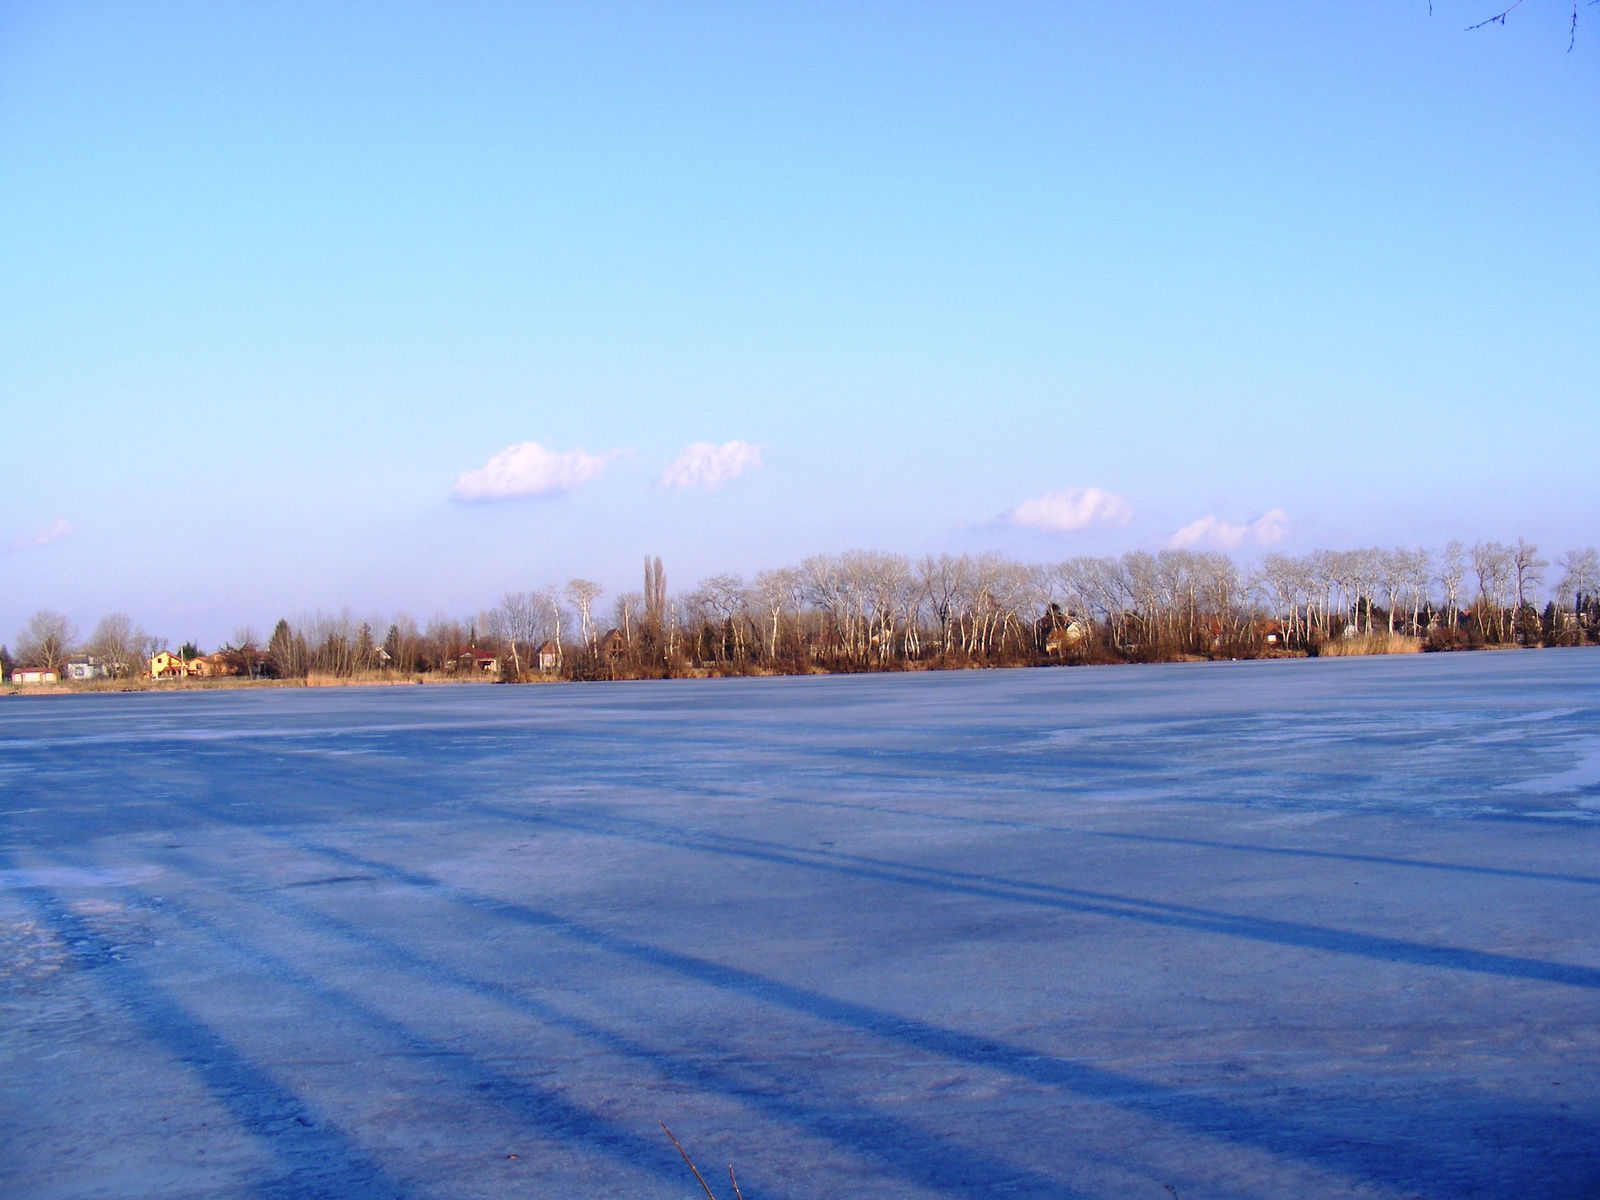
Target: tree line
{"x":867,"y":610}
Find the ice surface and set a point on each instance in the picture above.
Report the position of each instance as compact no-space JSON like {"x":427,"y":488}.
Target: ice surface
{"x":1275,"y":929}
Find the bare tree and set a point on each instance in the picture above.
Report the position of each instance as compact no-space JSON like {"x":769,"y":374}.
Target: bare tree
{"x":823,"y":588}
{"x":655,"y":592}
{"x":150,"y":645}
{"x":1419,"y":574}
{"x":984,"y":607}
{"x":1452,"y":570}
{"x":626,"y":612}
{"x":46,"y":640}
{"x":1394,"y":571}
{"x":1281,"y":575}
{"x":1370,"y":567}
{"x":551,"y":596}
{"x":777,"y":592}
{"x":1581,"y":570}
{"x":943,"y":579}
{"x":323,"y":643}
{"x":520,"y":618}
{"x":118,"y":644}
{"x":1529,"y":570}
{"x":885,"y":579}
{"x":403,"y":644}
{"x":246,"y":645}
{"x":1491,"y":562}
{"x":583,"y":594}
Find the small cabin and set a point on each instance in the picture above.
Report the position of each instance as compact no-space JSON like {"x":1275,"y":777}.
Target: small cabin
{"x":34,"y":675}
{"x":1066,"y":637}
{"x":549,"y":656}
{"x":1058,"y":631}
{"x":473,"y":661}
{"x":613,"y":645}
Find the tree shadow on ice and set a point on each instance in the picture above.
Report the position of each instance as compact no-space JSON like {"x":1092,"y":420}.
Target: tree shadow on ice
{"x":1206,"y":844}
{"x":1203,"y":1114}
{"x":541,"y":1109}
{"x":316,"y":1161}
{"x":897,"y":1148}
{"x":1299,"y":935}
{"x":1433,"y":1159}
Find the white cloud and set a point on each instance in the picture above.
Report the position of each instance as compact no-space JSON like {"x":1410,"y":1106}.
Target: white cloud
{"x":1271,"y":527}
{"x":1225,"y":535}
{"x":708,"y":466}
{"x":1073,"y":508}
{"x":528,"y":469}
{"x":53,"y":532}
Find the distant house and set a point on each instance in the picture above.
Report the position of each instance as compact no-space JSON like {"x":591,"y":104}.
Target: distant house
{"x":86,"y":666}
{"x":549,"y":656}
{"x":1059,"y":631}
{"x":167,"y":665}
{"x":34,"y":675}
{"x":1065,"y":637}
{"x":613,"y":645}
{"x":213,"y":666}
{"x":473,"y":661}
{"x":1270,"y":631}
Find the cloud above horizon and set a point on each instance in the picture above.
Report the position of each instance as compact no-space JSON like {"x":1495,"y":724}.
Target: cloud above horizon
{"x":529,"y":469}
{"x":1070,"y":509}
{"x":43,"y":536}
{"x":703,"y":464}
{"x":1211,"y":530}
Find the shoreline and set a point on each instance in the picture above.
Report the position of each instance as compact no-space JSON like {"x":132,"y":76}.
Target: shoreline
{"x":234,"y":683}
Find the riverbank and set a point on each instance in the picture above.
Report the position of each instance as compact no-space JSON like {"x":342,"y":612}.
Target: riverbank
{"x":1377,"y":644}
{"x":146,"y":684}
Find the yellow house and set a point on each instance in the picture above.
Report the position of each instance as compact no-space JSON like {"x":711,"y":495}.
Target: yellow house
{"x":168,"y":665}
{"x":212,"y":664}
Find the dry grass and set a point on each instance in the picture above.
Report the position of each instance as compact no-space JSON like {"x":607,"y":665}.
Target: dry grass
{"x":72,"y":687}
{"x":360,"y":679}
{"x":1370,"y":643}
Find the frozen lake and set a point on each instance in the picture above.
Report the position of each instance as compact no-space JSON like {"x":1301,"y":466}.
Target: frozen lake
{"x":1287,"y":929}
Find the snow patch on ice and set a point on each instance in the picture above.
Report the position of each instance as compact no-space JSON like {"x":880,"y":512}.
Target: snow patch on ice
{"x":1585,"y":775}
{"x":1294,"y":818}
{"x":1543,"y":714}
{"x":78,"y":876}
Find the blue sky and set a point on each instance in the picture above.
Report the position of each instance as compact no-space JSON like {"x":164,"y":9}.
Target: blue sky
{"x":278,"y":276}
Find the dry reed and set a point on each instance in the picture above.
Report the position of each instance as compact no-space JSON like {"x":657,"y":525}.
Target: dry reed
{"x":1381,"y":642}
{"x":704,"y":1186}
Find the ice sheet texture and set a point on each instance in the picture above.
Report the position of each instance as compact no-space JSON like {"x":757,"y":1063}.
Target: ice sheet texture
{"x":1273,"y":929}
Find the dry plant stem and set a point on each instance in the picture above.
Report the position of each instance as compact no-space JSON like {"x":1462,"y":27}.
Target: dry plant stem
{"x":709,"y":1193}
{"x":1500,"y":17}
{"x":735,"y":1183}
